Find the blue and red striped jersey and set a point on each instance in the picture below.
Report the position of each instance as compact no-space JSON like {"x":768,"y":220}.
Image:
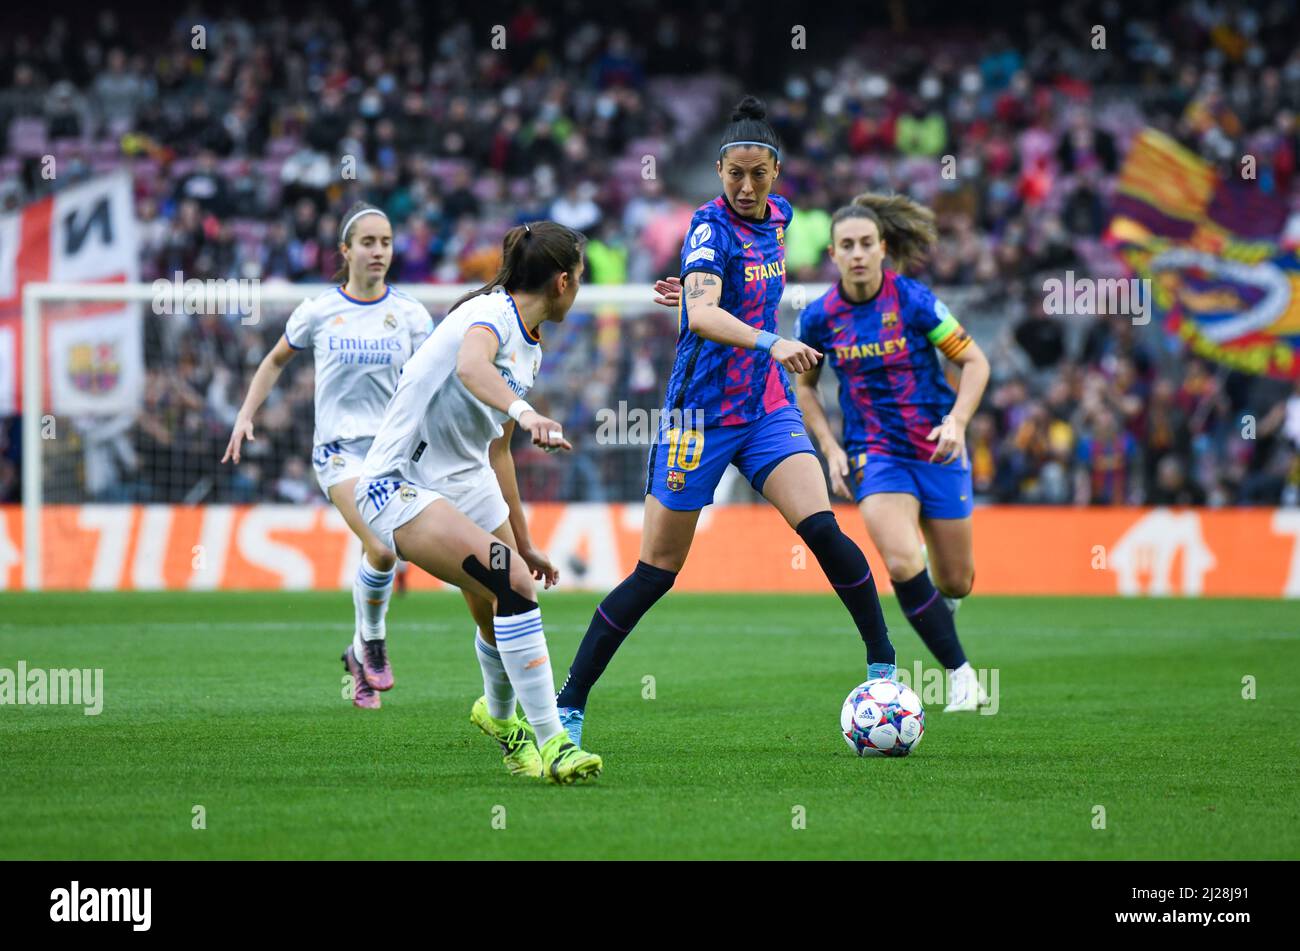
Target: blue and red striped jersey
{"x":885,"y":353}
{"x":732,"y":385}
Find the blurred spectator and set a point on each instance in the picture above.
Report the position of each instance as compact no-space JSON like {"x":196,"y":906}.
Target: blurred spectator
{"x":1106,"y":457}
{"x":1172,"y":486}
{"x":576,"y":208}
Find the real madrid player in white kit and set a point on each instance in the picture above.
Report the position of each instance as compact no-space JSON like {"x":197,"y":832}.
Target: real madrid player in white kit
{"x":438,"y":485}
{"x":360,"y":334}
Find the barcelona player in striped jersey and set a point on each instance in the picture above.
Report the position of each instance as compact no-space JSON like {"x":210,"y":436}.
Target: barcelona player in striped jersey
{"x":730,"y":402}
{"x":903,"y":454}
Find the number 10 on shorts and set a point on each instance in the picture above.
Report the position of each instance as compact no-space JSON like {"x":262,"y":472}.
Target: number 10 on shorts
{"x":685,"y":448}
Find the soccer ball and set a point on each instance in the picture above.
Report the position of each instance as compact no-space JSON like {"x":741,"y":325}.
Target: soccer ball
{"x":882,"y":718}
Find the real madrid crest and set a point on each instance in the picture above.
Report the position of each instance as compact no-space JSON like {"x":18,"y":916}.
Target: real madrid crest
{"x":407,"y":493}
{"x":390,"y":321}
{"x":338,"y":462}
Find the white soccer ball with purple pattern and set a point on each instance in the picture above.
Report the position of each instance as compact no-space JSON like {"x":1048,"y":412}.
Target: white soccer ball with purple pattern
{"x":882,"y":718}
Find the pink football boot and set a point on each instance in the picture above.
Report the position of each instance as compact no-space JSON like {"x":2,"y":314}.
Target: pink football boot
{"x":363,"y":695}
{"x":379,"y":673}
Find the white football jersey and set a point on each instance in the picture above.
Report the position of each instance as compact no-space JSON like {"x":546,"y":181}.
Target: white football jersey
{"x":434,"y":429}
{"x":360,"y":347}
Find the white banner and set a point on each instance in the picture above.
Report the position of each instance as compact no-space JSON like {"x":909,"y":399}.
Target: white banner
{"x":93,"y":232}
{"x":96,"y":354}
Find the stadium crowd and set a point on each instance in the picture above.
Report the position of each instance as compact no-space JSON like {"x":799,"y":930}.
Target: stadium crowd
{"x":244,"y":152}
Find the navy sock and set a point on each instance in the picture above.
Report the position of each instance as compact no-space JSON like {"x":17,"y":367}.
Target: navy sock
{"x":610,"y":625}
{"x":847,"y":570}
{"x":926,"y":611}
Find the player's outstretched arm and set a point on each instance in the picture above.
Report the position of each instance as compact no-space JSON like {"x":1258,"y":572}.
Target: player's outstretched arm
{"x":503,"y":464}
{"x":704,"y":317}
{"x":268,"y":372}
{"x":474,"y":368}
{"x":819,"y":427}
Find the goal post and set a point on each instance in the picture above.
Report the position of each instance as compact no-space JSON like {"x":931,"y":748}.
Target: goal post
{"x":61,"y":470}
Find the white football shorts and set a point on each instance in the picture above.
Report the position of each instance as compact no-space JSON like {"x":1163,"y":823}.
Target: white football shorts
{"x":389,"y":503}
{"x":339,"y":461}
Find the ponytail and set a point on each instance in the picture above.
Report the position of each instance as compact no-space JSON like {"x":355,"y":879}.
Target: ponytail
{"x":906,"y":227}
{"x":531,"y":255}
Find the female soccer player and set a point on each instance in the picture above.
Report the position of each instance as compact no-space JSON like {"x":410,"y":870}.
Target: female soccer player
{"x":730,"y":375}
{"x":904,"y":428}
{"x":361,"y":333}
{"x":438,"y":485}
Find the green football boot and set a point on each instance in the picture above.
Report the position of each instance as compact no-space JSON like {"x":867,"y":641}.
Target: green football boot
{"x":515,"y":736}
{"x":564,"y":763}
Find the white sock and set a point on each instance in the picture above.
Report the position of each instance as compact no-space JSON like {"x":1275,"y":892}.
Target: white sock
{"x":371,"y":589}
{"x":522,"y":646}
{"x":496,"y":682}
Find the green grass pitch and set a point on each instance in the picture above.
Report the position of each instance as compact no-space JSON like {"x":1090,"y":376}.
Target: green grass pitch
{"x":233,"y":702}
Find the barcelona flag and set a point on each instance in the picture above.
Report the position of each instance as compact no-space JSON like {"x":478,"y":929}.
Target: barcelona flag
{"x":1221,"y":281}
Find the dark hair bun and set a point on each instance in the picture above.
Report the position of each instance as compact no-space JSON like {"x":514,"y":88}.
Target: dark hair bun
{"x":751,"y":107}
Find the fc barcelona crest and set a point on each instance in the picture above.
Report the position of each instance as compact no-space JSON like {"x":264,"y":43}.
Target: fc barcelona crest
{"x":780,"y":236}
{"x":890,"y":319}
{"x":94,"y":367}
{"x":676,"y":480}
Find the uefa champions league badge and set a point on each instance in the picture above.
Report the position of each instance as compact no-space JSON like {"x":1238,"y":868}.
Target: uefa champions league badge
{"x":676,"y":480}
{"x":701,"y":234}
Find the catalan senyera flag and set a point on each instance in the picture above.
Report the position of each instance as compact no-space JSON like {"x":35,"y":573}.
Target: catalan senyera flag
{"x":1211,"y":246}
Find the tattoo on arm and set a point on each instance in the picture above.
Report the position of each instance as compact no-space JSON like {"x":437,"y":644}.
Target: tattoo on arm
{"x":696,"y":284}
